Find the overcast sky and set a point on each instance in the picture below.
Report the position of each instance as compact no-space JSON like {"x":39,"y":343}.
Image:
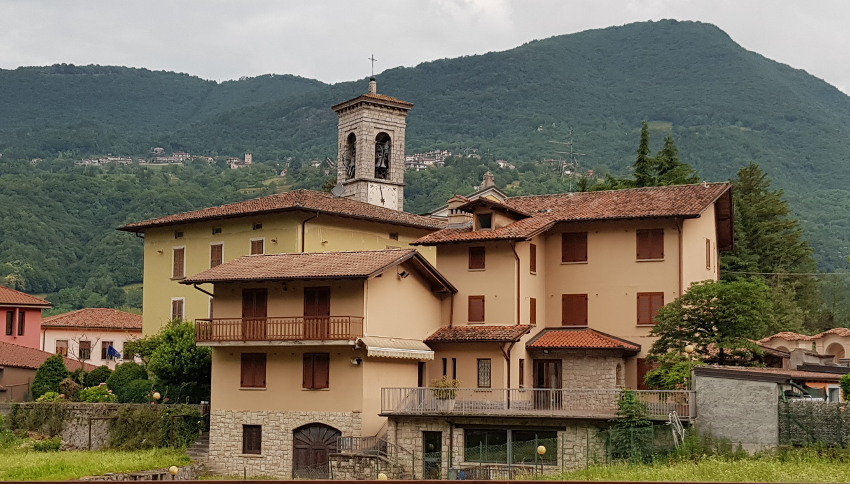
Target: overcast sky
{"x":331,"y":40}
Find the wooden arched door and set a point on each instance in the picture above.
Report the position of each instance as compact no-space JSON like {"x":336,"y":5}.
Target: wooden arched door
{"x":311,"y":447}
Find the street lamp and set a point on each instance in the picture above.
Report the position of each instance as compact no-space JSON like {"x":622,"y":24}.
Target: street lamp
{"x":173,"y":470}
{"x":541,"y":451}
{"x":689,"y":351}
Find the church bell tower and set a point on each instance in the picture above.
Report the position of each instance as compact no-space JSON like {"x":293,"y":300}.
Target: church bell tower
{"x":370,"y":165}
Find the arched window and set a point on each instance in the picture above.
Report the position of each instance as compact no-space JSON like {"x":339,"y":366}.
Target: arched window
{"x":836,"y":350}
{"x":349,"y":156}
{"x":383,"y":150}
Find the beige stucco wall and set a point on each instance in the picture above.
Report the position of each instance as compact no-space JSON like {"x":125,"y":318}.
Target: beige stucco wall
{"x":288,"y":299}
{"x":402,"y":307}
{"x":467,"y":355}
{"x":95,"y":336}
{"x":695,"y":233}
{"x":281,"y":234}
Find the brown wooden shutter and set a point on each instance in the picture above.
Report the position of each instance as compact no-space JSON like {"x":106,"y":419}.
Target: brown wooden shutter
{"x":574,"y":309}
{"x":253,"y":370}
{"x":532,"y":311}
{"x":216,"y":255}
{"x":257,"y":247}
{"x":650,"y":244}
{"x":532,"y":257}
{"x":317,"y":368}
{"x":477,"y":257}
{"x":177,"y":308}
{"x":648,"y":304}
{"x":252,"y":439}
{"x":307,"y":378}
{"x":476,"y":308}
{"x":574,"y":247}
{"x":178,"y":269}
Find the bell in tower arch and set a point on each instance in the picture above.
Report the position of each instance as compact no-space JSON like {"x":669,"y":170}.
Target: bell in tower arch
{"x":383,"y":151}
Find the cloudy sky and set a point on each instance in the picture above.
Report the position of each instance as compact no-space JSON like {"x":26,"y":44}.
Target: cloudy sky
{"x":331,"y":40}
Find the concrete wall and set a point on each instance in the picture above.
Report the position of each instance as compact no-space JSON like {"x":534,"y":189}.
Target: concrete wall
{"x":744,"y":412}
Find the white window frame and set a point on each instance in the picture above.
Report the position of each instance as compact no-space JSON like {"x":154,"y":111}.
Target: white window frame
{"x":173,"y":249}
{"x":171,"y":310}
{"x":263,"y":240}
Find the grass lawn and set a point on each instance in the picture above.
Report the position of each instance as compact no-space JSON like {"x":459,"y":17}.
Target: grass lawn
{"x":800,"y":466}
{"x":18,"y":464}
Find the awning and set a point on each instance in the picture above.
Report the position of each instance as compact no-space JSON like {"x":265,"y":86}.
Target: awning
{"x":396,"y":348}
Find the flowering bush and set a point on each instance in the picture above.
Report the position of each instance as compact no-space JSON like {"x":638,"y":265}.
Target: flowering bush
{"x":98,"y":394}
{"x":50,"y":397}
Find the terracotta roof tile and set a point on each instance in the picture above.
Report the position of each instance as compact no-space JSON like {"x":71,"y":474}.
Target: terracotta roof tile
{"x":483,"y":333}
{"x":102,"y":318}
{"x":686,"y":201}
{"x":787,"y":336}
{"x":374,"y":97}
{"x":770,"y":373}
{"x":575,"y":338}
{"x":17,"y":298}
{"x":303,"y":200}
{"x":318,"y":265}
{"x":836,"y":331}
{"x":24,"y":357}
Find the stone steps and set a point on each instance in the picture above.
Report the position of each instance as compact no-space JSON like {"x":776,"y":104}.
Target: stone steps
{"x":200,"y":449}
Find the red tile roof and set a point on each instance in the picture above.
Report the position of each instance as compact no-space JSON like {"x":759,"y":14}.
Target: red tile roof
{"x":24,"y":357}
{"x":101,"y":318}
{"x":575,"y":338}
{"x":11,"y":297}
{"x":297,"y":200}
{"x":380,"y":99}
{"x":483,"y":333}
{"x":683,"y":201}
{"x":360,"y":264}
{"x":787,"y":336}
{"x":765,"y":374}
{"x":836,"y":331}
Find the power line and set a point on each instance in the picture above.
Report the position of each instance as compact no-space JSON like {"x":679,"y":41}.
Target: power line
{"x":789,"y":273}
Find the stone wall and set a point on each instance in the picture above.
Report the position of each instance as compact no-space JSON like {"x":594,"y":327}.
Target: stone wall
{"x":191,"y":472}
{"x":591,"y":369}
{"x":744,"y":412}
{"x":275,"y":459}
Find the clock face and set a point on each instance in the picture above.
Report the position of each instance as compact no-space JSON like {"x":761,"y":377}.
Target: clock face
{"x":383,"y":195}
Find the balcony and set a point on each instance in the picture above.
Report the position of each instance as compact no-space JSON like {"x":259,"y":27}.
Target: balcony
{"x":289,"y":328}
{"x":529,"y":402}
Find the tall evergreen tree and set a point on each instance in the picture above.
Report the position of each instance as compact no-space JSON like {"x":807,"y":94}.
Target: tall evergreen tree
{"x":670,"y":169}
{"x":644,"y":166}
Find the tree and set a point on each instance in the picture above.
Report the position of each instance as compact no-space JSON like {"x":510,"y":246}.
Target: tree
{"x":97,"y":376}
{"x":718,"y":318}
{"x":644,"y":166}
{"x":49,"y":375}
{"x":177,"y":359}
{"x":121,"y":381}
{"x":670,"y":169}
{"x":770,"y":247}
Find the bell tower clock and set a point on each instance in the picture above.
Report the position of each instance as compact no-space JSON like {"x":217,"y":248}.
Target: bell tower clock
{"x":370,"y":166}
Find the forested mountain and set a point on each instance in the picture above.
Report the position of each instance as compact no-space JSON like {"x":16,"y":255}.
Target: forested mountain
{"x":724,"y":106}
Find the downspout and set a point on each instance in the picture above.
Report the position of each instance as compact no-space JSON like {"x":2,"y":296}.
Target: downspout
{"x":303,"y":230}
{"x":506,"y":352}
{"x":681,"y":262}
{"x":516,"y":256}
{"x":203,"y":290}
{"x":452,"y":310}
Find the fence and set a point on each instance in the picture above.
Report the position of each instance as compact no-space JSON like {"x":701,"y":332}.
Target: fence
{"x":804,"y":422}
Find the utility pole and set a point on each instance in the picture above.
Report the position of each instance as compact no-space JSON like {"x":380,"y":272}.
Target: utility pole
{"x":571,"y":160}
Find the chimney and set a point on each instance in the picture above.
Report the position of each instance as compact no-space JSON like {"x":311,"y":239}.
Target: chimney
{"x":373,"y":86}
{"x":489,"y":180}
{"x":458,"y":217}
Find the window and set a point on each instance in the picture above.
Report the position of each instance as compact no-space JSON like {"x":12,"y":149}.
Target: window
{"x":216,"y":254}
{"x":574,"y":309}
{"x":532,"y":258}
{"x":62,"y":347}
{"x":216,"y":230}
{"x":484,"y":372}
{"x":257,"y":246}
{"x":22,"y":320}
{"x":394,"y":235}
{"x":10,"y":322}
{"x":178,"y":268}
{"x":648,"y":304}
{"x":178,"y":234}
{"x":454,"y":368}
{"x":104,"y":350}
{"x":509,"y":446}
{"x":708,"y":254}
{"x":178,"y":309}
{"x":85,"y":350}
{"x":253,"y":370}
{"x":476,"y":257}
{"x":316,"y":370}
{"x":476,"y":309}
{"x":445,"y":366}
{"x":521,"y":373}
{"x":650,"y":244}
{"x":257,"y":227}
{"x":574,"y":247}
{"x":532,"y":311}
{"x":485,"y":221}
{"x":252,"y":439}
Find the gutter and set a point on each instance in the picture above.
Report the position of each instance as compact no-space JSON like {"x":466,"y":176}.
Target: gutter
{"x":303,"y":229}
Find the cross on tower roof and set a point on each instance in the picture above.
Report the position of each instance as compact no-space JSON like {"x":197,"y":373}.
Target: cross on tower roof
{"x":372,"y":58}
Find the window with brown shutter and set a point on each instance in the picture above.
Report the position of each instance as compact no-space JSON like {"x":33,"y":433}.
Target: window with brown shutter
{"x":708,"y":254}
{"x":178,"y":269}
{"x":484,"y":372}
{"x":257,"y":246}
{"x":316,"y":370}
{"x":574,"y":309}
{"x":22,"y":321}
{"x":532,"y":258}
{"x":252,"y":439}
{"x":574,"y":247}
{"x":648,"y":304}
{"x":85,"y":350}
{"x":177,"y":308}
{"x":521,"y":373}
{"x":477,"y":257}
{"x":216,"y":254}
{"x":476,"y":309}
{"x":253,"y":370}
{"x":650,"y":244}
{"x":62,"y":347}
{"x":532,"y":310}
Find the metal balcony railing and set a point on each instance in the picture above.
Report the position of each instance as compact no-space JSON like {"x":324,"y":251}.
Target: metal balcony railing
{"x":578,"y":403}
{"x":287,"y":328}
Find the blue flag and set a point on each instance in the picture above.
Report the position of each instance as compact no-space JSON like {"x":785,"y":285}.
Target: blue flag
{"x":112,"y":352}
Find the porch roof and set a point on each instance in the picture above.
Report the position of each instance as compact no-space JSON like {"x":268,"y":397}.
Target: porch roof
{"x":580,"y":338}
{"x":475,"y":334}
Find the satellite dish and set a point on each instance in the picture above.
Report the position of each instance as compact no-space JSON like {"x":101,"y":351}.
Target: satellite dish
{"x":337,"y":190}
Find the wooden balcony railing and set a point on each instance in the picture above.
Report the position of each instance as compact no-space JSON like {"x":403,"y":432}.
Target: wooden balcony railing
{"x":578,"y":403}
{"x":289,"y":328}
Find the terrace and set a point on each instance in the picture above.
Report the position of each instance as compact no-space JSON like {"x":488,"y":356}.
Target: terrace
{"x":276,"y":329}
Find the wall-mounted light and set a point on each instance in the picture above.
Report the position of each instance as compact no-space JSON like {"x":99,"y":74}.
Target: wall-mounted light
{"x":356,"y":361}
{"x":403,"y":274}
{"x":159,"y":251}
{"x":274,"y":241}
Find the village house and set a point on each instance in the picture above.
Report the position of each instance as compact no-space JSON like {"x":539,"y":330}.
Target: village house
{"x":18,"y":365}
{"x":529,"y":314}
{"x":22,"y":317}
{"x":92,"y":335}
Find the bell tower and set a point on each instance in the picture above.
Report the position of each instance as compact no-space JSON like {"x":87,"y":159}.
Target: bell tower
{"x":370,"y":165}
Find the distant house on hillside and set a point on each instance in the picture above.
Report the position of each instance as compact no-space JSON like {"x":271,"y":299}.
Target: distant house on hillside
{"x":18,"y":365}
{"x":93,"y":335}
{"x":22,"y":317}
{"x":834,"y":342}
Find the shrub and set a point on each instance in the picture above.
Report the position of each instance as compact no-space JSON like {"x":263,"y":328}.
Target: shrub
{"x":97,"y":376}
{"x":51,"y":397}
{"x":122,"y":376}
{"x":48,"y":376}
{"x":79,"y":376}
{"x":137,"y":391}
{"x":845,"y":387}
{"x":98,"y":394}
{"x":69,"y":388}
{"x":47,"y":445}
{"x":149,"y":426}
